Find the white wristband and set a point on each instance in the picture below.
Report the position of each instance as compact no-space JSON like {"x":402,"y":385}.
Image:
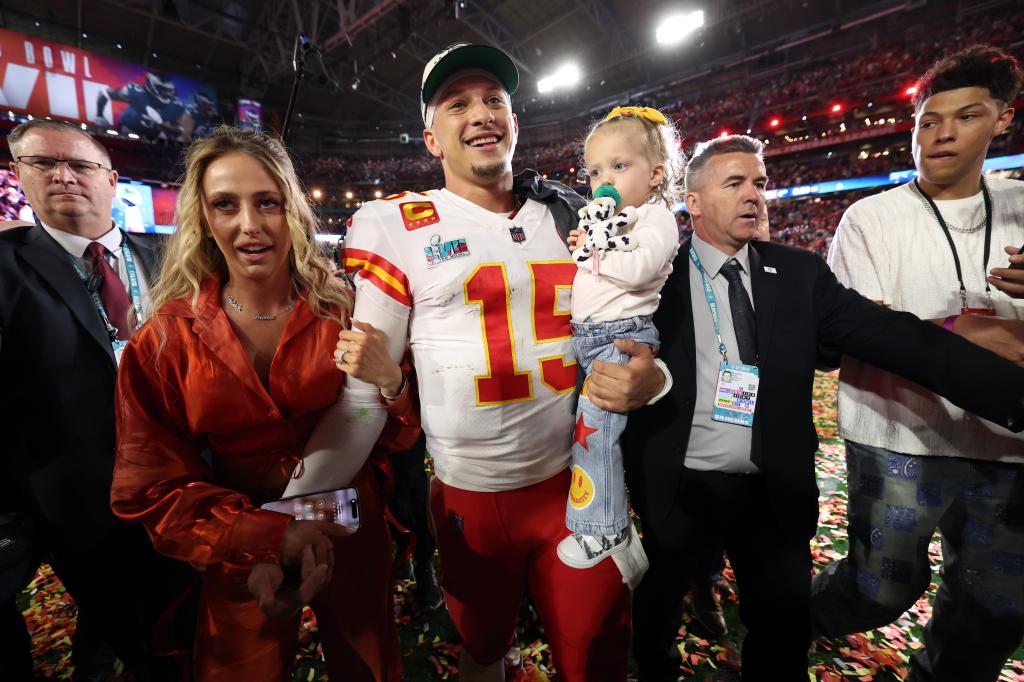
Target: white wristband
{"x":668,"y":381}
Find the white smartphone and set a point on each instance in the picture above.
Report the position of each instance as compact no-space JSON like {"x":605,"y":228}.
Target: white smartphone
{"x":339,"y":506}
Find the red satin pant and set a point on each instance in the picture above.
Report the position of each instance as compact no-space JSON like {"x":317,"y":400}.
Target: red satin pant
{"x":355,"y":617}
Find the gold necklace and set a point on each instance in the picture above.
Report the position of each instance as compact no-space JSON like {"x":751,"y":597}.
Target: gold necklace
{"x":233,"y":302}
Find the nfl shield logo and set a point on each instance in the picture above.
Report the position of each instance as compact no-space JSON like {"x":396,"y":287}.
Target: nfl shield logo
{"x":518,"y":234}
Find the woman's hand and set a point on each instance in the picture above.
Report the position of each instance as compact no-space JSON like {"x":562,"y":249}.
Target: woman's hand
{"x":574,"y":238}
{"x":265,"y":581}
{"x":363,"y":355}
{"x":315,"y":534}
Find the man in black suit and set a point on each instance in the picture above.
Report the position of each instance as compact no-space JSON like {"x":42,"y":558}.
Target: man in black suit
{"x":706,"y":463}
{"x":74,"y":288}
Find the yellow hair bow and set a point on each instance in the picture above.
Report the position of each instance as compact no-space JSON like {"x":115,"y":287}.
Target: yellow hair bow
{"x":652,"y":115}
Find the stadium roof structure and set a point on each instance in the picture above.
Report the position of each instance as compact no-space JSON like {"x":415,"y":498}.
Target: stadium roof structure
{"x":374,"y":50}
{"x":366,"y":86}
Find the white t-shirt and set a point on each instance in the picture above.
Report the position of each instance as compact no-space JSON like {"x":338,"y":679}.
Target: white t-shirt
{"x":615,"y":285}
{"x":484,"y":300}
{"x":890,"y":248}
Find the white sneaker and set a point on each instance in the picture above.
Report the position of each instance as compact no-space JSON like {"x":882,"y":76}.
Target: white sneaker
{"x":583,"y":551}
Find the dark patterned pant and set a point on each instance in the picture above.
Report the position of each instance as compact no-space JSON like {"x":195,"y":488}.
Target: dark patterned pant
{"x":895,"y":504}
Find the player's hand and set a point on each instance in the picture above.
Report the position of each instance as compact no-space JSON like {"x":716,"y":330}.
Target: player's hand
{"x":622,"y":388}
{"x":1010,"y":280}
{"x":1003,"y":337}
{"x":362,"y":354}
{"x":265,"y":580}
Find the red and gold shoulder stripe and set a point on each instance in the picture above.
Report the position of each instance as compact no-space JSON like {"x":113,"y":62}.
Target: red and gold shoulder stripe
{"x":382,"y":273}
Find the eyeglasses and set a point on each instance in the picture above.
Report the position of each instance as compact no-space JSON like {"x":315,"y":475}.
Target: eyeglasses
{"x":79,"y":167}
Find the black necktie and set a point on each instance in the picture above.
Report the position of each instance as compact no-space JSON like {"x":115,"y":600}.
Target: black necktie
{"x":742,"y":313}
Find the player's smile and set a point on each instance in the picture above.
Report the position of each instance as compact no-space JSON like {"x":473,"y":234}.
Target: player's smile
{"x":486,"y":141}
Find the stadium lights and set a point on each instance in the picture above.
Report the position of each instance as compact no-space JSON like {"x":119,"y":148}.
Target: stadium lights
{"x":317,"y":193}
{"x":567,"y":75}
{"x":377,"y":194}
{"x":348,"y":195}
{"x":724,"y":133}
{"x":911,"y":90}
{"x":675,"y":28}
{"x":836,"y":108}
{"x":134,"y":136}
{"x":774,"y":123}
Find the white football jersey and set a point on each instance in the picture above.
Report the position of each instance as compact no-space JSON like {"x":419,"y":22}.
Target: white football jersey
{"x":487,"y":299}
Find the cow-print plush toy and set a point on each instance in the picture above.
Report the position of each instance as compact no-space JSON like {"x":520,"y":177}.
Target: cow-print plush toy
{"x":605,"y":229}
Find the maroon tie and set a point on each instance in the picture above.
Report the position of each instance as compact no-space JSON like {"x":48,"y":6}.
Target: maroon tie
{"x":112,"y":292}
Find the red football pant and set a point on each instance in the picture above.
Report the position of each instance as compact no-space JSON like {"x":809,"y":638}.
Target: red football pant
{"x":496,"y":546}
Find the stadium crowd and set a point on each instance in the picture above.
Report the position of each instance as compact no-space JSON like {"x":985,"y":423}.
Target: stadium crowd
{"x":242,"y":196}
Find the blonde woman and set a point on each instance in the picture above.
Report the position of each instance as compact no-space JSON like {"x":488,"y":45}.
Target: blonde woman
{"x":217,"y":398}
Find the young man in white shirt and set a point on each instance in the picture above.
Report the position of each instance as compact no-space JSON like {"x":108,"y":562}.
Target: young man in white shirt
{"x":915,"y":461}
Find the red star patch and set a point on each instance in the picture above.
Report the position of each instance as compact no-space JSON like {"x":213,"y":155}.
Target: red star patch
{"x":581,"y":433}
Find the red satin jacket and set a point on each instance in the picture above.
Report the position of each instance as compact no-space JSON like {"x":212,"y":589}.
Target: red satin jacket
{"x":201,"y":443}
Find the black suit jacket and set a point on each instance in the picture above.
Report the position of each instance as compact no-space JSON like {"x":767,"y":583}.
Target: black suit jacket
{"x":57,"y":375}
{"x":798,"y":306}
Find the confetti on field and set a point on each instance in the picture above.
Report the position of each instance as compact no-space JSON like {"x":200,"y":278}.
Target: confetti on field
{"x":430,"y":646}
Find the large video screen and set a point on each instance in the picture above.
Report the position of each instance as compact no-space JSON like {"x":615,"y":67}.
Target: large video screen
{"x":250,"y":115}
{"x":44,"y":78}
{"x":141,"y":208}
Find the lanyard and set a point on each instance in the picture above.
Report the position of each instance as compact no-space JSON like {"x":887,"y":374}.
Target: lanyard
{"x":709,"y":294}
{"x":952,"y":246}
{"x":134,"y":290}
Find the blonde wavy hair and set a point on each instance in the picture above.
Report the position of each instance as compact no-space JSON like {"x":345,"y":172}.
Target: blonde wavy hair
{"x":192,"y":255}
{"x":661,"y":145}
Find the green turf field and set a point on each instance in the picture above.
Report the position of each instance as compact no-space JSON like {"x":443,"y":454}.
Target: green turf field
{"x":430,"y":646}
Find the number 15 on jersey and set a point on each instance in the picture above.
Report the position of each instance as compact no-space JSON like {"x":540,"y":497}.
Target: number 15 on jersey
{"x":505,"y":381}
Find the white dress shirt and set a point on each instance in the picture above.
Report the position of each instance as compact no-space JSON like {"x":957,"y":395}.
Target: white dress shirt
{"x":76,"y":245}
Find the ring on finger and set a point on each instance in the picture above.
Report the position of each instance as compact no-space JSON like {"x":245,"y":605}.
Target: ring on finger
{"x":339,"y":356}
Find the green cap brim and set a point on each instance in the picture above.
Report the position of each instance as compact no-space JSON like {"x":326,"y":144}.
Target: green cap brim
{"x":485,"y":57}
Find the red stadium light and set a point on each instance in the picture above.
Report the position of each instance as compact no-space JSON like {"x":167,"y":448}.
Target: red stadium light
{"x":836,"y":108}
{"x":911,"y":91}
{"x":724,"y":133}
{"x":774,"y":123}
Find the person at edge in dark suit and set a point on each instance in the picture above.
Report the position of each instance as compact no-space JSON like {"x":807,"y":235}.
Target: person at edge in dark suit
{"x":733,"y":461}
{"x":74,"y":287}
